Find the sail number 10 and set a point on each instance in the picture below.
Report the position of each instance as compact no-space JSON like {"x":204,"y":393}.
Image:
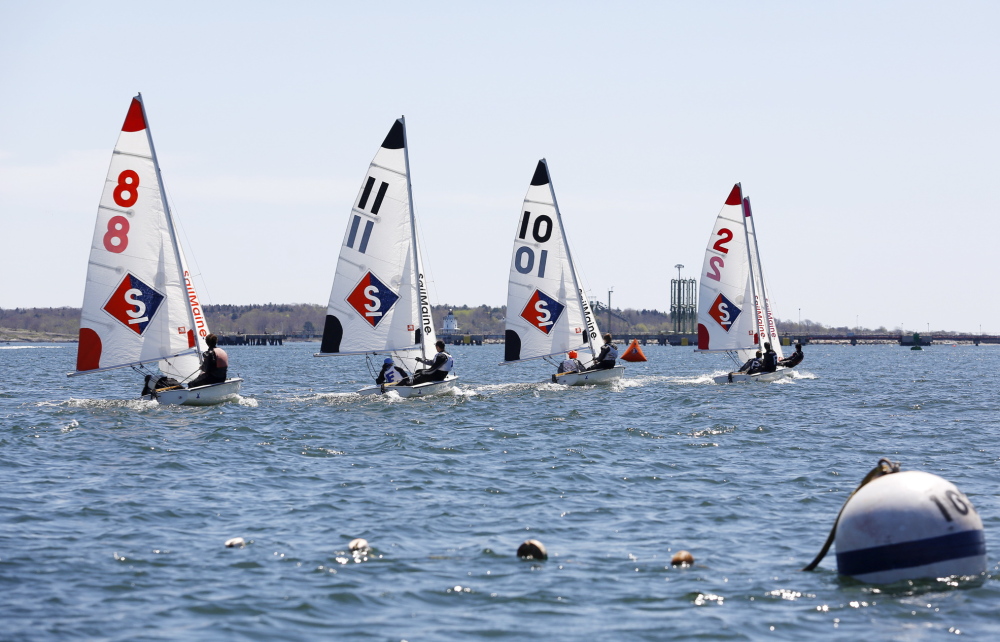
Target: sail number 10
{"x":541,"y":231}
{"x":126,"y":193}
{"x":716,"y":263}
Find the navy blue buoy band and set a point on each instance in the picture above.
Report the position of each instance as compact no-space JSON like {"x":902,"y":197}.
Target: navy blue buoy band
{"x":910,"y":554}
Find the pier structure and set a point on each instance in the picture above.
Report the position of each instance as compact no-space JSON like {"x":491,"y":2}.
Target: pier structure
{"x":251,"y":339}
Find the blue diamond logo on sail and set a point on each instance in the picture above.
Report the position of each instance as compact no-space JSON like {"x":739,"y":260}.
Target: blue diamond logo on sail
{"x":133,"y":303}
{"x":542,"y":311}
{"x":724,"y":312}
{"x":372,"y":299}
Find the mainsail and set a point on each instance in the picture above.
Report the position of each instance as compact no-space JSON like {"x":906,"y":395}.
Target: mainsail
{"x":729,"y":316}
{"x":547,"y":309}
{"x":139,"y":303}
{"x":378,"y":304}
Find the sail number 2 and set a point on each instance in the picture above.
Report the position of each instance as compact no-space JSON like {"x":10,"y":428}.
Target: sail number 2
{"x":717,"y":262}
{"x":524,"y":258}
{"x":125,"y":195}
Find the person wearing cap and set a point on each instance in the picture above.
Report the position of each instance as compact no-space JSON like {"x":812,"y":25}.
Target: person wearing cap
{"x":571,"y":364}
{"x":391,"y":373}
{"x":794,"y":359}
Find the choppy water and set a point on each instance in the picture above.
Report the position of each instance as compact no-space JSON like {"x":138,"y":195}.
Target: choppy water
{"x":113,"y":513}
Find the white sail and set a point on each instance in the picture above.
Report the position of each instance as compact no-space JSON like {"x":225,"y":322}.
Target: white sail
{"x":378,"y":304}
{"x":136,"y":308}
{"x":547,"y":309}
{"x":726,"y":310}
{"x":764,"y":309}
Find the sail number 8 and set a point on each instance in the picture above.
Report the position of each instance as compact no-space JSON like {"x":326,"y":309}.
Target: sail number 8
{"x":524,"y":258}
{"x":715,"y":263}
{"x":126,"y":193}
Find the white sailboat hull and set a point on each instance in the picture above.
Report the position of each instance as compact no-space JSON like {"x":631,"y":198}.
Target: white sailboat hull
{"x":420,"y":390}
{"x":208,"y":395}
{"x":591,"y":377}
{"x":760,"y":377}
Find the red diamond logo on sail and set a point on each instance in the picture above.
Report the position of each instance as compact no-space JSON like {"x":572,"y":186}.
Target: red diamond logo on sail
{"x":724,"y":312}
{"x":133,"y":303}
{"x":542,"y":311}
{"x":372,"y":299}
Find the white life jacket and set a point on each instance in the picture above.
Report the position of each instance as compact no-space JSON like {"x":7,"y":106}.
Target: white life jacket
{"x":569,"y":365}
{"x":612,"y":352}
{"x":390,"y":375}
{"x":448,"y":364}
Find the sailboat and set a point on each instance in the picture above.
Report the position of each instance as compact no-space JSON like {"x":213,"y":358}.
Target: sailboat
{"x":734,"y":312}
{"x":547,"y":309}
{"x":379,"y":303}
{"x":140,"y":305}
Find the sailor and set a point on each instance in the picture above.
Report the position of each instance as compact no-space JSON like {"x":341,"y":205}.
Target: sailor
{"x":571,"y":364}
{"x":794,"y":359}
{"x":608,"y":356}
{"x":391,"y":373}
{"x":770,"y":361}
{"x":158,"y":383}
{"x":440,"y":366}
{"x":752,"y":366}
{"x":214,"y":364}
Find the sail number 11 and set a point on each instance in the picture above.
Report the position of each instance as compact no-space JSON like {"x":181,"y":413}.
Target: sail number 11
{"x":716,"y":263}
{"x":541,"y":231}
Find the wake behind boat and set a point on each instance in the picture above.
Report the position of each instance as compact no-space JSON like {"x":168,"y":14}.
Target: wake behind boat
{"x":548,"y":314}
{"x":734,"y":312}
{"x":379,"y":304}
{"x":140,"y":305}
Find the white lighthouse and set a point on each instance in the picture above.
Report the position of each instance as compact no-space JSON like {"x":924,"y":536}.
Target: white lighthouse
{"x":450,"y":324}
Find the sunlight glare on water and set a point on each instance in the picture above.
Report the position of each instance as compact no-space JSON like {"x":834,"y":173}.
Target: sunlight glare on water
{"x":116,"y":510}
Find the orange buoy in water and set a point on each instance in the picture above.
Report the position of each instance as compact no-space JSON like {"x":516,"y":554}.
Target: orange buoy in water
{"x":633,"y":352}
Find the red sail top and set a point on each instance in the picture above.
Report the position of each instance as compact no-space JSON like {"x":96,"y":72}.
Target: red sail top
{"x":134,"y":122}
{"x":735,"y":196}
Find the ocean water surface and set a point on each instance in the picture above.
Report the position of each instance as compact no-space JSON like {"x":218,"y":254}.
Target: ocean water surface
{"x":113,"y":511}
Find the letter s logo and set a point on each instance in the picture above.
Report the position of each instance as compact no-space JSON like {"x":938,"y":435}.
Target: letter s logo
{"x":374,"y":304}
{"x":544,"y":316}
{"x":139,"y":314}
{"x":723,"y":314}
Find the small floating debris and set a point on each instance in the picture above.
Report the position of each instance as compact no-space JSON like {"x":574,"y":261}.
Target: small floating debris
{"x":682,"y":558}
{"x":359,"y":545}
{"x":532,"y":549}
{"x":235,"y":542}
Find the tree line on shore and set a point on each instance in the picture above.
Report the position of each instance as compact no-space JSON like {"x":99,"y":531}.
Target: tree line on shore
{"x":306,"y":319}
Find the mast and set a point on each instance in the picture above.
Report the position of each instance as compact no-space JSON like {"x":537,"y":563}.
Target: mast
{"x":760,"y":269}
{"x":588,"y":314}
{"x":170,"y":223}
{"x":413,"y":236}
{"x":753,"y":280}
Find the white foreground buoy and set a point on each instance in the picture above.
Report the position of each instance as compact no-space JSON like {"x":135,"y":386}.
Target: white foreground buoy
{"x":235,"y":542}
{"x":909,"y":525}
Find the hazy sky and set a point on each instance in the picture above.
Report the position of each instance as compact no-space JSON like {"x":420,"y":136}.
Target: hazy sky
{"x":865,"y":134}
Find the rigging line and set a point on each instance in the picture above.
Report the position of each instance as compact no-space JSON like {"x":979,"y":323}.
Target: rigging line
{"x":884,"y":467}
{"x":429,"y":283}
{"x":190,"y":257}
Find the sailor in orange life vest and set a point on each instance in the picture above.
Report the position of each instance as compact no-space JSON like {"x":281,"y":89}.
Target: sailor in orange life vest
{"x":440,"y":366}
{"x":214,"y":365}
